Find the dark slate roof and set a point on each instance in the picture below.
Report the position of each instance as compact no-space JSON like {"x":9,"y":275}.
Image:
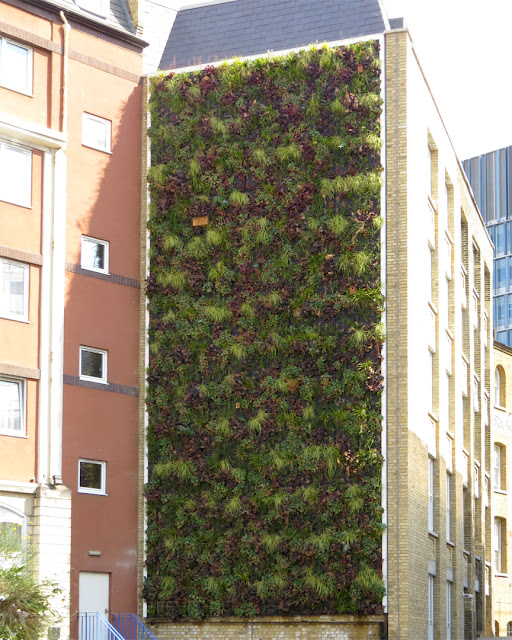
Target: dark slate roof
{"x":249,"y":27}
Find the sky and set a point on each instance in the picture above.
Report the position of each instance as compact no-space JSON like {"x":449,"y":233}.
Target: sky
{"x":464,"y":48}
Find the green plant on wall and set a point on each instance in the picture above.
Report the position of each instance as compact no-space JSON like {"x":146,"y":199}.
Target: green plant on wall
{"x":264,"y":377}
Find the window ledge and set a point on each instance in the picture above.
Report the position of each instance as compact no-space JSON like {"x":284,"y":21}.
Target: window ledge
{"x":96,"y":380}
{"x":433,"y":534}
{"x":88,"y":146}
{"x":13,"y":435}
{"x":500,"y":491}
{"x":14,"y":319}
{"x":501,"y":575}
{"x":450,"y":544}
{"x":91,"y":492}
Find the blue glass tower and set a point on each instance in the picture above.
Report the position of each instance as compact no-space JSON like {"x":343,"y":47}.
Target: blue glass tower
{"x":490,"y":176}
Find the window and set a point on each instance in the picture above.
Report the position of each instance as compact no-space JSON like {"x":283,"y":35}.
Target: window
{"x":430,"y":389}
{"x":96,"y":132}
{"x":499,"y":467}
{"x":430,"y":494}
{"x":448,"y":611}
{"x":430,"y":607}
{"x":12,"y":519}
{"x":499,"y":551}
{"x":92,"y":476}
{"x":448,"y":257}
{"x":477,"y":481}
{"x":499,"y":387}
{"x":13,"y":290}
{"x":94,"y":254}
{"x":16,"y":172}
{"x":476,"y":394}
{"x":430,"y":260}
{"x":15,"y":66}
{"x":93,"y":364}
{"x":509,"y":628}
{"x":448,"y":507}
{"x":12,"y":406}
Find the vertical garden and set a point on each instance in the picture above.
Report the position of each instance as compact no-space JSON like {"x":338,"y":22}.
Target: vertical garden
{"x":264,"y":379}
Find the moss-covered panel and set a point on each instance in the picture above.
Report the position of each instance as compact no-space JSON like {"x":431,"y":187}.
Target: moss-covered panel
{"x":264,"y":378}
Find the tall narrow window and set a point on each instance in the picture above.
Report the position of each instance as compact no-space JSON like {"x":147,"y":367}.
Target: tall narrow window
{"x":448,"y":611}
{"x":13,"y":290}
{"x":430,"y":389}
{"x":16,"y":172}
{"x":430,"y":494}
{"x":499,"y":467}
{"x":448,"y":507}
{"x":12,"y":406}
{"x":430,"y":607}
{"x":498,"y":545}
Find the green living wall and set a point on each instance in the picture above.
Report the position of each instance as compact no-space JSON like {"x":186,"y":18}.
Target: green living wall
{"x":264,"y":293}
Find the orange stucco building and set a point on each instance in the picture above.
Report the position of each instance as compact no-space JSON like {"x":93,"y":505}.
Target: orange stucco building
{"x":70,"y":193}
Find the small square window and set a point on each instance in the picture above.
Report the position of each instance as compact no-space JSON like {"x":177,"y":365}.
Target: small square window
{"x":14,"y":290}
{"x":94,"y":254}
{"x":16,"y":172}
{"x":92,"y":476}
{"x":96,"y":132}
{"x":93,"y":364}
{"x":12,"y":407}
{"x":15,"y":66}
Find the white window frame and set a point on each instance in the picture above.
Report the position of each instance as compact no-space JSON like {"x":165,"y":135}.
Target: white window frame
{"x":108,"y":123}
{"x":29,"y":79}
{"x":25,"y":199}
{"x":102,"y":490}
{"x":448,"y":507}
{"x":448,"y":610}
{"x":430,"y":607}
{"x":430,"y":494}
{"x":497,"y":466}
{"x":22,"y":391}
{"x":104,"y":354}
{"x":3,"y":312}
{"x":91,"y":240}
{"x":498,"y":545}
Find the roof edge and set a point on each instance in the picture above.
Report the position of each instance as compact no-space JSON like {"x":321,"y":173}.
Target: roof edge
{"x":81,"y":19}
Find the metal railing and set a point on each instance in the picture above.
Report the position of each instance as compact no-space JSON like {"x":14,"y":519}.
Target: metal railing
{"x":94,"y":626}
{"x":131,"y":628}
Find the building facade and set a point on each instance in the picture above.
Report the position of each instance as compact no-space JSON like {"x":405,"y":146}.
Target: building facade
{"x":500,"y":483}
{"x":436,"y":274}
{"x":490,"y":178}
{"x":70,"y":140}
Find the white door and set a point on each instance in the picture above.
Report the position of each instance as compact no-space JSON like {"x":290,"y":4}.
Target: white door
{"x":93,"y":591}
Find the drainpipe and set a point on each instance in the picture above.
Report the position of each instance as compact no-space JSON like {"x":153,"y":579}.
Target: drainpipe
{"x":64,"y":115}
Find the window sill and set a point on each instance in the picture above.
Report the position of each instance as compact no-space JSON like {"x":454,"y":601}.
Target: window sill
{"x":23,"y":320}
{"x":501,"y":575}
{"x":501,"y":492}
{"x":106,"y":273}
{"x":91,"y":492}
{"x":450,"y":544}
{"x":88,"y":146}
{"x":18,"y":204}
{"x":433,"y":534}
{"x":96,"y":380}
{"x":13,"y":435}
{"x":29,"y":94}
